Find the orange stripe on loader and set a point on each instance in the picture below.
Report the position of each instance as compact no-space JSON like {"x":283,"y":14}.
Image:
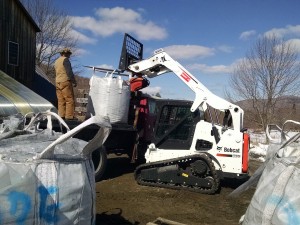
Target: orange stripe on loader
{"x":245,"y":153}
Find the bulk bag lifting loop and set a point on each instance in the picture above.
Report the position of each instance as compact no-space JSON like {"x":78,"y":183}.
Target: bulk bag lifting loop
{"x":93,"y":144}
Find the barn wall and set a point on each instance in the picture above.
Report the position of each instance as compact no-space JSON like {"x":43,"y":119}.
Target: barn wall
{"x":17,"y":26}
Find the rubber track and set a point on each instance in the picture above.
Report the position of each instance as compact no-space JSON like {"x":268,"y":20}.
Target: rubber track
{"x":216,"y":180}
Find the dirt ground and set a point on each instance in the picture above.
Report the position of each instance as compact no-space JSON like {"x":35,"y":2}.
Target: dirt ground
{"x":120,"y":200}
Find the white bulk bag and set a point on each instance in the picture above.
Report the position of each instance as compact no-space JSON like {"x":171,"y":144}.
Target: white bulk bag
{"x":109,"y":96}
{"x":277,"y":196}
{"x":47,"y":177}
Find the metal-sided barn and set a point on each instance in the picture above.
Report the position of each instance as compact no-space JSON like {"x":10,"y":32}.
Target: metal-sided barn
{"x":17,"y":42}
{"x":18,"y":76}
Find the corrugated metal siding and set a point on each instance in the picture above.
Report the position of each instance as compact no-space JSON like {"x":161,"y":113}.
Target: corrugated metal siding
{"x":16,"y":98}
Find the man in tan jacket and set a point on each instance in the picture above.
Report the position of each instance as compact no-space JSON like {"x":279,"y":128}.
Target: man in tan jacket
{"x":65,"y":81}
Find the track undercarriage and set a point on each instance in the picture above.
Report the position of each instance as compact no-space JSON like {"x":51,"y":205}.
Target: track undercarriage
{"x":194,"y":173}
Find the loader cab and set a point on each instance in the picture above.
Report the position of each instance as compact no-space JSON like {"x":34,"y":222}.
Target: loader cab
{"x":168,"y":123}
{"x":175,"y":124}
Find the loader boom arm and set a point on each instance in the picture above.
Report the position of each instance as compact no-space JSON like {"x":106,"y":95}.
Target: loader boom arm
{"x":161,"y":62}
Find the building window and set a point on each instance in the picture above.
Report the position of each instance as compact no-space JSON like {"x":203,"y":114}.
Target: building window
{"x":13,"y":53}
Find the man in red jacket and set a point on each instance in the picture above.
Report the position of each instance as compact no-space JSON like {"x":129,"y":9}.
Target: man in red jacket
{"x":65,"y":81}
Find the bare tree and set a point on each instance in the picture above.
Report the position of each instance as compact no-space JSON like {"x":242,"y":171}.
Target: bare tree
{"x":55,"y":34}
{"x":269,"y":72}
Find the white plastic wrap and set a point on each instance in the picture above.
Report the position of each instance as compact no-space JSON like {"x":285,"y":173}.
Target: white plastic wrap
{"x":109,"y":96}
{"x":47,"y":177}
{"x":277,"y":197}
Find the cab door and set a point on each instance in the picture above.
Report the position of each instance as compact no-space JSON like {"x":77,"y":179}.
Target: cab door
{"x":175,"y":125}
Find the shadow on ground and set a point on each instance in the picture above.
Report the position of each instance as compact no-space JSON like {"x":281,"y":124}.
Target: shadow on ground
{"x":113,"y":218}
{"x":233,"y":183}
{"x":117,"y":166}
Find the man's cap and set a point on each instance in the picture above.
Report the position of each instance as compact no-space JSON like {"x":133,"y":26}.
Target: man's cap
{"x":66,"y":50}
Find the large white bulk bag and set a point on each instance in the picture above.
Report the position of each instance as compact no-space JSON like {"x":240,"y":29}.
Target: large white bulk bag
{"x":47,"y":177}
{"x":277,"y":196}
{"x":109,"y":96}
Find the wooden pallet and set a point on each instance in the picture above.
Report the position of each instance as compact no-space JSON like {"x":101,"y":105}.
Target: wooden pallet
{"x":162,"y":221}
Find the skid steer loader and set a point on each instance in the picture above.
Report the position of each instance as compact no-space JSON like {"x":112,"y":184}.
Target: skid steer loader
{"x":195,"y":145}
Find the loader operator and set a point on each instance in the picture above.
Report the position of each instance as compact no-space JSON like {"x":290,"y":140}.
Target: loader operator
{"x":65,"y":80}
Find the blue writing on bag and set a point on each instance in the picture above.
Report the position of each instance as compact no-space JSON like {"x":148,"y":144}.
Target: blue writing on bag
{"x":21,"y":204}
{"x":48,"y":212}
{"x":287,"y":207}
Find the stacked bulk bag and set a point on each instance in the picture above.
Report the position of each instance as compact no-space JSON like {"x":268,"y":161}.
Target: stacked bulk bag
{"x":47,"y":177}
{"x":109,"y":96}
{"x":277,"y":196}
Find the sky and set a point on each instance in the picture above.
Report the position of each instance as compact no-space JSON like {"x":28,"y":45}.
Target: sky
{"x":207,"y":37}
